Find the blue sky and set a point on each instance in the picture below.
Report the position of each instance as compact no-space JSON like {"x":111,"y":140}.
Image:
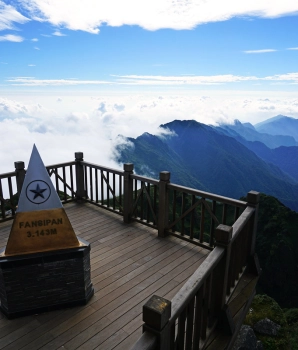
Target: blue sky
{"x":95,"y":69}
{"x":45,"y":45}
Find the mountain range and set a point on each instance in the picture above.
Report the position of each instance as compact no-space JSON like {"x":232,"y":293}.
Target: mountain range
{"x":229,"y":159}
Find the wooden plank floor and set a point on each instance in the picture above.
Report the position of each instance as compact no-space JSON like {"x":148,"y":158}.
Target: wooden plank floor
{"x":129,"y":264}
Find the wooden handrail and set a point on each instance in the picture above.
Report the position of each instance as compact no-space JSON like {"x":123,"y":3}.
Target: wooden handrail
{"x":145,"y":179}
{"x":200,"y":305}
{"x":208,"y":195}
{"x":242,"y":221}
{"x":195,"y":282}
{"x":6,"y":175}
{"x":100,"y":167}
{"x":140,"y":198}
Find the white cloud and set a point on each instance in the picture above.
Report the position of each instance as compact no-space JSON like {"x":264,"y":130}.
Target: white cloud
{"x":292,"y":48}
{"x":36,"y":48}
{"x":34,"y":39}
{"x":200,"y":80}
{"x":11,"y":37}
{"x":158,"y":80}
{"x":58,"y":33}
{"x":60,"y":129}
{"x":9,"y":15}
{"x":181,"y":80}
{"x":89,"y":15}
{"x":119,"y":108}
{"x":260,"y":51}
{"x":102,"y":108}
{"x":27,"y":81}
{"x":31,"y":65}
{"x":289,"y":77}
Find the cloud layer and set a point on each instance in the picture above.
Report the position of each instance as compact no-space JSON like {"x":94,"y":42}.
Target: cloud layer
{"x":90,"y":15}
{"x":61,"y":125}
{"x":289,"y":78}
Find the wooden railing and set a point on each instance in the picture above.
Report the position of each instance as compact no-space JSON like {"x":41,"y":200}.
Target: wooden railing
{"x":103,"y":187}
{"x":187,"y":213}
{"x":201,"y":305}
{"x":223,"y":225}
{"x":63,"y":178}
{"x":8,"y":200}
{"x":194,"y":214}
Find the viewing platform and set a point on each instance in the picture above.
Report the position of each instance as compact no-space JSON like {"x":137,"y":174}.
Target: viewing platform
{"x":172,"y":267}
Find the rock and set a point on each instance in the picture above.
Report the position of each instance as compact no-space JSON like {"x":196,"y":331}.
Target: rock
{"x":246,"y":339}
{"x":266,"y":327}
{"x":259,"y":345}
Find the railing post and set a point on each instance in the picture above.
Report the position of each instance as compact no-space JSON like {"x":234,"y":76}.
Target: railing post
{"x":253,"y":199}
{"x":223,"y":236}
{"x":20,"y":175}
{"x":128,"y":192}
{"x":163,"y":210}
{"x":156,"y":315}
{"x":80,"y":179}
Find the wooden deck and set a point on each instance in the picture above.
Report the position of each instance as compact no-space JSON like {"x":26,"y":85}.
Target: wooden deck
{"x":129,"y":264}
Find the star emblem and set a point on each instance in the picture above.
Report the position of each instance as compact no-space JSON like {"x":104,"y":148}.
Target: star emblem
{"x":38,"y":192}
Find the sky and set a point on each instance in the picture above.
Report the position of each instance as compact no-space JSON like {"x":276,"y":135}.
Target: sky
{"x":74,"y":75}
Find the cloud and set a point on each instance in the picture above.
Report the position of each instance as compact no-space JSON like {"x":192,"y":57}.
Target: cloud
{"x":201,"y":80}
{"x":11,"y":37}
{"x":119,"y":108}
{"x":157,"y":80}
{"x":31,"y":65}
{"x":260,"y":51}
{"x":27,"y":81}
{"x":34,"y":39}
{"x":181,"y":80}
{"x":102,"y":108}
{"x":90,"y":15}
{"x":60,"y":129}
{"x":36,"y":48}
{"x":9,"y":15}
{"x":58,"y":33}
{"x":289,"y":77}
{"x":292,"y":48}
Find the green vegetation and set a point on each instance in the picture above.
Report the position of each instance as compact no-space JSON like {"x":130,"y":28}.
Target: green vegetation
{"x":265,"y":307}
{"x":277,"y":249}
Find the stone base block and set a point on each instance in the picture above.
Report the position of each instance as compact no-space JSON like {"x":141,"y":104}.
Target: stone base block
{"x":35,"y":283}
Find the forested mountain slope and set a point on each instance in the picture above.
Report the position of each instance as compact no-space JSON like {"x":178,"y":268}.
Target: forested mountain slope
{"x":203,"y":157}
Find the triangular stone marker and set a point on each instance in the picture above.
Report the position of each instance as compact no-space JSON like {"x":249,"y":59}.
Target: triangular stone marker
{"x":41,"y":223}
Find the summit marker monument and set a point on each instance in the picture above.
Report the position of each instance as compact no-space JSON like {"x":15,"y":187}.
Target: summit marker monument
{"x":41,"y":223}
{"x":44,"y":266}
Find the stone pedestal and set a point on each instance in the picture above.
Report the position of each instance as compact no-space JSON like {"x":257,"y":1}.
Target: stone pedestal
{"x":39,"y":282}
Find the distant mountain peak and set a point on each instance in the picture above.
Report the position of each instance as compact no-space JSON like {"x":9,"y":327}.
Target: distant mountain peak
{"x":279,"y":125}
{"x":249,"y":125}
{"x":273,"y":119}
